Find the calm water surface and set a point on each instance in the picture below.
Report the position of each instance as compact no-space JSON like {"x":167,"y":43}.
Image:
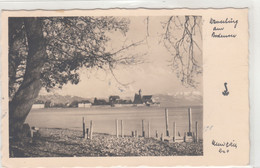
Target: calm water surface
{"x":104,"y":118}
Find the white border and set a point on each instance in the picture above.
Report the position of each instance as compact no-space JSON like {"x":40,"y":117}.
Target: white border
{"x":254,"y":42}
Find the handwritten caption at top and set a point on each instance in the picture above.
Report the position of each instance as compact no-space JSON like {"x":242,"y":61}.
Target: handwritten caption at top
{"x":219,"y":27}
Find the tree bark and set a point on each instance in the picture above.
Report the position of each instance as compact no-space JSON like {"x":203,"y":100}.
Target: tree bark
{"x":14,"y":24}
{"x":28,"y":91}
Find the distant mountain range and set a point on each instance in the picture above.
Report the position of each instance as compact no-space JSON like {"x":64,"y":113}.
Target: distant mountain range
{"x":176,"y":99}
{"x":180,"y":99}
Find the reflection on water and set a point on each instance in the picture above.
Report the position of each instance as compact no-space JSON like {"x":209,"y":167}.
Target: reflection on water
{"x":104,"y":118}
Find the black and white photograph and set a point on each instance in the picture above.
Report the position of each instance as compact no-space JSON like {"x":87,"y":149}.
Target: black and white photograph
{"x":105,"y":86}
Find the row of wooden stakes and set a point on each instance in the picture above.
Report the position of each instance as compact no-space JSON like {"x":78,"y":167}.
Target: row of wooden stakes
{"x":87,"y":132}
{"x":134,"y":133}
{"x":188,"y":136}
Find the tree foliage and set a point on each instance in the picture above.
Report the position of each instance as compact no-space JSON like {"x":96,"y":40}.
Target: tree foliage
{"x":49,"y":51}
{"x":71,"y":43}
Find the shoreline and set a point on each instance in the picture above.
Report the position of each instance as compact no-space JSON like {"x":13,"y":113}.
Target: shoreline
{"x":126,"y":106}
{"x":56,"y":142}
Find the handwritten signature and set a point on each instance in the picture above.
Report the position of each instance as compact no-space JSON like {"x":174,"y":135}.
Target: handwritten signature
{"x":224,"y":147}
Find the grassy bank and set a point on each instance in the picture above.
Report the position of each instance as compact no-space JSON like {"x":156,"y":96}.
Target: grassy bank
{"x":69,"y":143}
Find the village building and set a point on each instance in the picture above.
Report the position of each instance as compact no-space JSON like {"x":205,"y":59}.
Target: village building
{"x":138,"y":98}
{"x":146,"y":99}
{"x":113,"y":99}
{"x":84,"y":104}
{"x":38,"y":106}
{"x":100,"y":102}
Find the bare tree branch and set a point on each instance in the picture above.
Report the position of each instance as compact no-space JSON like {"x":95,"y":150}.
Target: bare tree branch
{"x":184,"y":49}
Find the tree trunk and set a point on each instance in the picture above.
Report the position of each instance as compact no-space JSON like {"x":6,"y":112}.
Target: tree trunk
{"x":14,"y":24}
{"x":28,"y":91}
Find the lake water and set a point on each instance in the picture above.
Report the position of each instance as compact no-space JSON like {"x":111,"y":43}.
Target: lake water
{"x":104,"y":118}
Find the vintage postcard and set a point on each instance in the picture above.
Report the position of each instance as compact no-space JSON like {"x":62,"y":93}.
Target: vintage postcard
{"x":125,"y":87}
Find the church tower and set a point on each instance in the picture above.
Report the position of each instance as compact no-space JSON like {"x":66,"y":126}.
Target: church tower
{"x":140,"y":93}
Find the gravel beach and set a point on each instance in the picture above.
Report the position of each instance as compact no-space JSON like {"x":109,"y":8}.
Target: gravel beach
{"x":69,"y":143}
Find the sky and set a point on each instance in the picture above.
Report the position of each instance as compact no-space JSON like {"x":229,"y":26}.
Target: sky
{"x":153,"y":76}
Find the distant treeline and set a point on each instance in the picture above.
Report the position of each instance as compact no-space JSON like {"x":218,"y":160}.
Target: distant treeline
{"x":50,"y":104}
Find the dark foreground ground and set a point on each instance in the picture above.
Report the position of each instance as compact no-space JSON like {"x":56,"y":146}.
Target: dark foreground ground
{"x":69,"y":143}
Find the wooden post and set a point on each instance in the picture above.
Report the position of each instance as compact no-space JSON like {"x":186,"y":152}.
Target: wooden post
{"x":143,"y":128}
{"x":133,"y":134}
{"x":91,"y":129}
{"x":83,"y":125}
{"x":156,"y":134}
{"x":87,"y":132}
{"x":136,"y":133}
{"x":196,"y":129}
{"x":174,"y":131}
{"x":190,"y":121}
{"x":32,"y":133}
{"x":167,"y":122}
{"x":148,"y":129}
{"x":122,"y":129}
{"x":117,"y":128}
{"x":162,"y":137}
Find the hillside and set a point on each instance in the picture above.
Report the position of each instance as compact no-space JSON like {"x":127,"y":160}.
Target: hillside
{"x":56,"y":98}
